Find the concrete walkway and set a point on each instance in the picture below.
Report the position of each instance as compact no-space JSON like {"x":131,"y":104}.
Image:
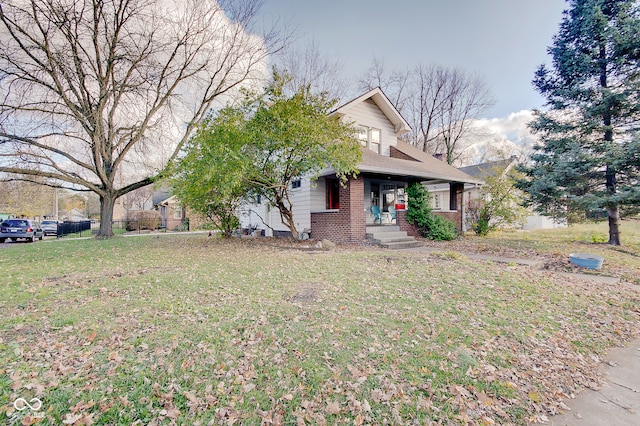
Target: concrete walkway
{"x":618,"y":401}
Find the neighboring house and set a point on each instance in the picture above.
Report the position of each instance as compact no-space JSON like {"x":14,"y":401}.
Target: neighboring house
{"x":172,"y":214}
{"x":139,"y":199}
{"x":342,"y":213}
{"x":73,"y":215}
{"x":481,"y":172}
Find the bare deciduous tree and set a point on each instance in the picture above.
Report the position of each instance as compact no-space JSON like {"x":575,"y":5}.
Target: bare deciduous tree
{"x":465,"y":97}
{"x":140,"y":199}
{"x":309,"y":67}
{"x":395,"y":84}
{"x":94,"y":89}
{"x":439,"y":103}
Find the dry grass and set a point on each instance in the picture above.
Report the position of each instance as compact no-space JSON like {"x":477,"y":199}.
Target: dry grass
{"x":191,"y":330}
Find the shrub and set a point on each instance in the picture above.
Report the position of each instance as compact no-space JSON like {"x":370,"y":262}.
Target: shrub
{"x":143,"y":219}
{"x":440,"y":228}
{"x":430,"y":226}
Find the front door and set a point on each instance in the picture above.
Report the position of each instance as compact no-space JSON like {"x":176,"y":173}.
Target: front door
{"x":385,"y":196}
{"x":388,"y":196}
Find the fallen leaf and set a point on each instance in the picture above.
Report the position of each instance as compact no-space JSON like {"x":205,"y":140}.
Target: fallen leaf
{"x":535,"y":397}
{"x":191,"y":397}
{"x":172,"y":413}
{"x":333,"y":408}
{"x":70,"y":419}
{"x":28,"y":420}
{"x":484,"y":399}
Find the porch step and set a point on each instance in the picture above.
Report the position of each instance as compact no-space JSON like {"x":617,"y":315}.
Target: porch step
{"x":373,"y":229}
{"x":386,"y":235}
{"x":390,"y":236}
{"x":401,"y":245}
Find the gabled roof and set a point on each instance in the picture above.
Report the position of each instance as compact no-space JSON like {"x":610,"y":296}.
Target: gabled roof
{"x":168,"y":201}
{"x":380,"y":99}
{"x":406,"y":160}
{"x":490,"y":168}
{"x":415,"y":164}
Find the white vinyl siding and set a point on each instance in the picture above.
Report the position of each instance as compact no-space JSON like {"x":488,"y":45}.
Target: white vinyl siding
{"x":318,"y":195}
{"x":368,"y":115}
{"x":301,"y":200}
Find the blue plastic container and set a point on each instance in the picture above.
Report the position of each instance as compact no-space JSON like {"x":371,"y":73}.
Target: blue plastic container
{"x":584,"y":260}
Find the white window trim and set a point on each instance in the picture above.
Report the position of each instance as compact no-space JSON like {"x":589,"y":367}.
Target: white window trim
{"x":437,"y":201}
{"x":369,"y":131}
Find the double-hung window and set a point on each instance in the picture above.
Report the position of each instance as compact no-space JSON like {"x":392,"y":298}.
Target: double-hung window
{"x":177,"y":212}
{"x":370,"y":138}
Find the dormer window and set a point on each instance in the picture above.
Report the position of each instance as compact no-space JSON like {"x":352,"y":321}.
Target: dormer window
{"x":370,"y":138}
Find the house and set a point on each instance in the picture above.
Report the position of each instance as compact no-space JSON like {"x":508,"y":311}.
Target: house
{"x":342,"y":213}
{"x":172,"y":214}
{"x":72,"y":215}
{"x":473,"y":191}
{"x":137,"y":200}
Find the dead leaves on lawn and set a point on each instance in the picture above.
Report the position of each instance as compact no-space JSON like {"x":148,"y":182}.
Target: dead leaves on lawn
{"x":339,"y":337}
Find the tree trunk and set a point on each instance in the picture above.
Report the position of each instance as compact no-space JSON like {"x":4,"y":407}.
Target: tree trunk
{"x":614,"y":226}
{"x":287,"y":220}
{"x":286,"y":213}
{"x":107,"y":202}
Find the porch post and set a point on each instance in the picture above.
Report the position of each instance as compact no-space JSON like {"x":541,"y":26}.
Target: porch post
{"x":352,"y":200}
{"x":455,"y":189}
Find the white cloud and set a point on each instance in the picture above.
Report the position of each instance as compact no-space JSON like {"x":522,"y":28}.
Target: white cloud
{"x":496,"y":138}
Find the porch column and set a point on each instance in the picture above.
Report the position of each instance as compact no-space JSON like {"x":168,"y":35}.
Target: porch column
{"x":455,"y":195}
{"x":352,"y":203}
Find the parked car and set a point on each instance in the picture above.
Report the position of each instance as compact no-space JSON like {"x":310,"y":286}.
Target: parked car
{"x":14,"y":229}
{"x":49,"y":227}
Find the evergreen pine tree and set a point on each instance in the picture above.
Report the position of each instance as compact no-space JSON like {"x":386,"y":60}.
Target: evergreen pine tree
{"x":589,"y":150}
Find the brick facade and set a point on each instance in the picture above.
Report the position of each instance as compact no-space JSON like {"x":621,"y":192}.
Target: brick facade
{"x":346,"y":225}
{"x":410,"y":228}
{"x":403,"y":223}
{"x":455,"y":217}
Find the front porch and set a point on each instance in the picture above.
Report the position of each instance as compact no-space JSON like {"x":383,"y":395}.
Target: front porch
{"x":366,"y":201}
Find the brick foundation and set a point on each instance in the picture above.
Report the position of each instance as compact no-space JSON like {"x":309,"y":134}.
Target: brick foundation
{"x":403,"y":223}
{"x":347,"y":225}
{"x":410,"y":228}
{"x":455,"y":217}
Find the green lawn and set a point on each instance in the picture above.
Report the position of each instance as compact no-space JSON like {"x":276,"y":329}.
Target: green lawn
{"x":192,"y":330}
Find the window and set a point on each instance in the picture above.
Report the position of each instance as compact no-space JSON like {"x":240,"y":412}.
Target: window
{"x":296,"y":184}
{"x":332,"y":194}
{"x":374,"y":140}
{"x":177,"y":212}
{"x":370,"y":138}
{"x":363,"y":136}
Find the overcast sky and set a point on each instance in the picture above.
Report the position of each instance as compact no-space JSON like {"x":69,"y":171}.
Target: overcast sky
{"x":502,"y":40}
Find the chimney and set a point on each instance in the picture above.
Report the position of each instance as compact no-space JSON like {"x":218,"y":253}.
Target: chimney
{"x":439,"y":156}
